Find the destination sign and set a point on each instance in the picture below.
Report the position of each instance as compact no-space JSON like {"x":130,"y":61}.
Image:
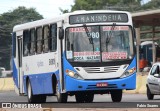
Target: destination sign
{"x":96,"y":18}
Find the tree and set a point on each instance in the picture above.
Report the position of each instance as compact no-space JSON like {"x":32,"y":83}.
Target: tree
{"x":129,"y":5}
{"x":88,"y":4}
{"x":7,"y":21}
{"x":154,"y":4}
{"x":64,"y":11}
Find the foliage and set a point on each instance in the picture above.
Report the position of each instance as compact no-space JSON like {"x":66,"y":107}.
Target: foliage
{"x":7,"y":21}
{"x":154,"y":4}
{"x":64,"y":11}
{"x":89,"y":4}
{"x":129,"y":5}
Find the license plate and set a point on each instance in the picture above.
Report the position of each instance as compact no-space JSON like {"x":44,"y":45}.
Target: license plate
{"x":104,"y":84}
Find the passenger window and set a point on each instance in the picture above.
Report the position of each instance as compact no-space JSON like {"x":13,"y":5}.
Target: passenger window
{"x":46,"y":38}
{"x":33,"y":41}
{"x":26,"y":42}
{"x":53,"y":44}
{"x":157,"y":71}
{"x":39,"y":40}
{"x":14,"y":44}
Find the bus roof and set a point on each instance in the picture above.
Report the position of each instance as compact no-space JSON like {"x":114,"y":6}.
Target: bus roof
{"x":148,"y":43}
{"x":37,"y":23}
{"x":41,"y":22}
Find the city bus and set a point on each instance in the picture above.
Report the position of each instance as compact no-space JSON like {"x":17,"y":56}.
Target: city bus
{"x":79,"y":54}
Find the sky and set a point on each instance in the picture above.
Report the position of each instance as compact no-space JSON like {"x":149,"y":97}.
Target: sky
{"x":144,"y":1}
{"x":47,"y":8}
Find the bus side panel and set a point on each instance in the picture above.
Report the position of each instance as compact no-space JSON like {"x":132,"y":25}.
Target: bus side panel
{"x":40,"y":68}
{"x":41,"y":83}
{"x":14,"y":60}
{"x":15,"y":73}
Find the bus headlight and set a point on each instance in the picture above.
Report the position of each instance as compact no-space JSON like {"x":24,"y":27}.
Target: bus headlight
{"x":128,"y":72}
{"x":73,"y":74}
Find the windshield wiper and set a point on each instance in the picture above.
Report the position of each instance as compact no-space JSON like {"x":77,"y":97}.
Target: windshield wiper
{"x":89,"y":36}
{"x":110,"y":34}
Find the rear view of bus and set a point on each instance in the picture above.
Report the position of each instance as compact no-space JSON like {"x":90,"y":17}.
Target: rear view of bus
{"x":99,"y":55}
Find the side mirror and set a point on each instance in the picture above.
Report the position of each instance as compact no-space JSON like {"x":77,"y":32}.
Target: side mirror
{"x":61,"y":33}
{"x":156,"y":75}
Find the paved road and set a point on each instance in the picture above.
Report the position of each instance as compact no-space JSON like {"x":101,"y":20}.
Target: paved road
{"x":100,"y":101}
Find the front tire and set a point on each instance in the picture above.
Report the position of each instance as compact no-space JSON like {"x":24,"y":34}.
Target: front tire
{"x":89,"y":98}
{"x":150,"y":96}
{"x":61,"y":97}
{"x":116,"y":95}
{"x":34,"y":98}
{"x":31,"y":97}
{"x":84,"y":98}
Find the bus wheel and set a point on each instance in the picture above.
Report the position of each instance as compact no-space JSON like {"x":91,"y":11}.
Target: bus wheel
{"x":80,"y":97}
{"x":34,"y":98}
{"x":83,"y":97}
{"x":89,"y":98}
{"x":61,"y":97}
{"x":149,"y":95}
{"x":31,"y":97}
{"x":41,"y":98}
{"x":116,"y":95}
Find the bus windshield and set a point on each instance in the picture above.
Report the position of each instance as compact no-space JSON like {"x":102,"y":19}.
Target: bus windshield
{"x":99,"y":43}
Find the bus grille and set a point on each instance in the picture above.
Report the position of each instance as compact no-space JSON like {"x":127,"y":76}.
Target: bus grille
{"x":108,"y":69}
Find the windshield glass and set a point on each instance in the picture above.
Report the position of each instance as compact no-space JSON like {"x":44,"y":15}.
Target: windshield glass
{"x":99,"y":43}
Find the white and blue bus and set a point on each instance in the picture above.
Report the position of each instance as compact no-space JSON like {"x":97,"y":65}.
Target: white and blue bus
{"x":80,"y":53}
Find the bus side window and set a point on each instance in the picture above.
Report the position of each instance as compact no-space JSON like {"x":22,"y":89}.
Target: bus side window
{"x":53,"y":35}
{"x":33,"y":41}
{"x":46,"y":37}
{"x":26,"y":42}
{"x":14,"y":44}
{"x":39,"y":40}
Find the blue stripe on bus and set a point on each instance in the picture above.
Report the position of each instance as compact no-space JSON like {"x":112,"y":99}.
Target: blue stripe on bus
{"x":40,"y":83}
{"x":15,"y":73}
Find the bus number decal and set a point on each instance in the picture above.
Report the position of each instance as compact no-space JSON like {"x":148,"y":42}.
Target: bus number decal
{"x":51,"y":61}
{"x":94,"y":35}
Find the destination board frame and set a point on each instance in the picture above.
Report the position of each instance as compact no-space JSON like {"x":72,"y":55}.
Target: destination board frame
{"x":97,"y":18}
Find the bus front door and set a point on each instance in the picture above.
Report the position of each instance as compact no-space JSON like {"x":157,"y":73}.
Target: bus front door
{"x":20,"y":74}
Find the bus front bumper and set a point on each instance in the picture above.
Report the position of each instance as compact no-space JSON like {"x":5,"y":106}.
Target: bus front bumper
{"x":128,"y":83}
